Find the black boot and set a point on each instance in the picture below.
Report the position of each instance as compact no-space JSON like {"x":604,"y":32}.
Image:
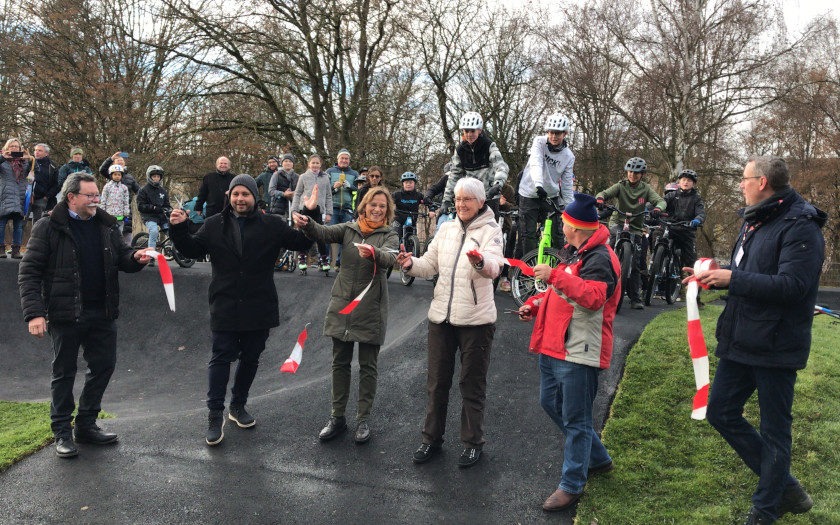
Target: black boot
{"x":215,"y":426}
{"x":241,"y":417}
{"x":64,"y":446}
{"x":16,"y":252}
{"x":2,"y":251}
{"x":93,"y":435}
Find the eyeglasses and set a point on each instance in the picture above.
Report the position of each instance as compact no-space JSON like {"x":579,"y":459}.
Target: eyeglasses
{"x":743,"y":179}
{"x":91,"y":196}
{"x":554,"y":132}
{"x":464,"y":199}
{"x":374,"y":176}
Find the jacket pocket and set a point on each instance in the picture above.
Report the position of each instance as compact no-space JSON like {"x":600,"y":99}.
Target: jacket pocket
{"x":756,"y":329}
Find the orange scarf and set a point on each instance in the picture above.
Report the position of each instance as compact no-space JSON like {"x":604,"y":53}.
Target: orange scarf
{"x":367,"y":226}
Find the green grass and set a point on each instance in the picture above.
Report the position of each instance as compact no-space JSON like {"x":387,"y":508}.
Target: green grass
{"x":673,"y":469}
{"x":24,"y":429}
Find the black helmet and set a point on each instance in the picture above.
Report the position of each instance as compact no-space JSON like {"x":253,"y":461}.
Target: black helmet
{"x":691,"y":174}
{"x":636,"y":165}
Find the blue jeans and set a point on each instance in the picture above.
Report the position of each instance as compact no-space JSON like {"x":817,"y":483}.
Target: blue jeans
{"x":340,"y":216}
{"x":17,"y":230}
{"x":154,"y":233}
{"x":567,"y":391}
{"x":766,"y":453}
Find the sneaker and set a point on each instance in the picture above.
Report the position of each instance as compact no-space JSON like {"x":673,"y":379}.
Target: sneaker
{"x":795,"y":500}
{"x":325,"y":267}
{"x":469,"y":457}
{"x":302,"y":266}
{"x":215,"y":428}
{"x":425,"y":452}
{"x":637,"y":305}
{"x":504,"y":284}
{"x":241,"y":417}
{"x":93,"y":435}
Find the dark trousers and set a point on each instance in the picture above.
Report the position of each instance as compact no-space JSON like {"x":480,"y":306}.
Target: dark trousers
{"x":685,"y":241}
{"x":766,"y":451}
{"x":228,"y":346}
{"x":342,"y":357}
{"x":444,"y":342}
{"x":97,"y":336}
{"x":533,"y":212}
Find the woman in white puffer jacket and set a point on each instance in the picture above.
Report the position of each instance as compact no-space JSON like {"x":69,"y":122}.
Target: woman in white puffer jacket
{"x":466,"y":254}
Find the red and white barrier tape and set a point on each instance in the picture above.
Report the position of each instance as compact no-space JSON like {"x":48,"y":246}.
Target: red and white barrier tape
{"x":697,"y":341}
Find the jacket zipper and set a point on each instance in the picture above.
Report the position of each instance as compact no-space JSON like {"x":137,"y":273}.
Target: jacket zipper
{"x":454,"y":269}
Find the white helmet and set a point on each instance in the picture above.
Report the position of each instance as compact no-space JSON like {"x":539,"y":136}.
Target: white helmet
{"x":115,"y":167}
{"x":556,"y":122}
{"x":471,"y":120}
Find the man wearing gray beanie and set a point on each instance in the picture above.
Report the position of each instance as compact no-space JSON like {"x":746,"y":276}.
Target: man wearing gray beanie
{"x":243,"y":244}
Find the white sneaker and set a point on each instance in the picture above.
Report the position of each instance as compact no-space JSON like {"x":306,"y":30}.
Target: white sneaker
{"x":504,"y":284}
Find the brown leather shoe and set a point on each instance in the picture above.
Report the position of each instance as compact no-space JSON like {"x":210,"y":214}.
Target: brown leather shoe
{"x":560,"y":500}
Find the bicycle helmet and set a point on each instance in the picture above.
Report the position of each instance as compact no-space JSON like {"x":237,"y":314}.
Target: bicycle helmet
{"x":471,"y":120}
{"x":361,"y":178}
{"x":117,"y":168}
{"x":636,"y":165}
{"x":691,"y":174}
{"x":154,"y":169}
{"x":556,"y":122}
{"x":408,"y":176}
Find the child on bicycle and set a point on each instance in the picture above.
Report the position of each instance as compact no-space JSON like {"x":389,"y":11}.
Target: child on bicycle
{"x":631,"y":196}
{"x":153,"y":203}
{"x":685,"y":204}
{"x":116,"y":199}
{"x":407,"y":202}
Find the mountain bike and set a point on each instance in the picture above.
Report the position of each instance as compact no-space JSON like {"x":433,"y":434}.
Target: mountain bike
{"x":164,"y":246}
{"x":509,"y":238}
{"x":626,"y":246}
{"x":522,"y":286}
{"x":665,"y":269}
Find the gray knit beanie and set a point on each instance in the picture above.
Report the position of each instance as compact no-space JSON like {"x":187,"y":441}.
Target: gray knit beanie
{"x":247,"y":181}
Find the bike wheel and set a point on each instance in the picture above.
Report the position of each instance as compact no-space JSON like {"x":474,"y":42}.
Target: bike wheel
{"x":658,"y":273}
{"x":522,"y":287}
{"x":673,"y":281}
{"x":141,"y":240}
{"x":411,"y":245}
{"x":183,"y":262}
{"x":625,"y":258}
{"x":168,"y":249}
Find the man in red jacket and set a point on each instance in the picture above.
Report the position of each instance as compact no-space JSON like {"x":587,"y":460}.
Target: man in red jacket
{"x":573,"y":333}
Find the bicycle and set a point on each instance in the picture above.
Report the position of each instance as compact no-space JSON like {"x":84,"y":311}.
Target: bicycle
{"x":523,"y":287}
{"x":164,"y":246}
{"x":287,"y":262}
{"x":411,"y":243}
{"x":509,"y":238}
{"x":625,"y":247}
{"x":665,"y":269}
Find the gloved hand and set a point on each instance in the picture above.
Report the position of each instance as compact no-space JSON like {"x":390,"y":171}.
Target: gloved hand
{"x":695,"y":223}
{"x":494,"y":190}
{"x":599,"y":203}
{"x":541,"y":192}
{"x":656,"y":213}
{"x":445,"y":208}
{"x":427,"y":202}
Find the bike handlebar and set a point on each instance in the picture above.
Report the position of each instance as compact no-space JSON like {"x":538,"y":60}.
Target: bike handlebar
{"x":626,"y":214}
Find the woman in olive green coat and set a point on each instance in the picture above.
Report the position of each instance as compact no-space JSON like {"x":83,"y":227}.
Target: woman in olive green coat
{"x":367,"y":244}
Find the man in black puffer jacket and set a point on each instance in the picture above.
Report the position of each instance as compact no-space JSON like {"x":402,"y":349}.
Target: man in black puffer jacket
{"x":243,"y":244}
{"x":764,"y":332}
{"x":68,"y":276}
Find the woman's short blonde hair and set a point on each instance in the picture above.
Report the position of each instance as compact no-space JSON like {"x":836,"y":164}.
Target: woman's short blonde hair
{"x":10,"y":141}
{"x":373,"y":192}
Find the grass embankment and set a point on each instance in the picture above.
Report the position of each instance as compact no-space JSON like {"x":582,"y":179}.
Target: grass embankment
{"x":673,"y":469}
{"x":24,"y":429}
